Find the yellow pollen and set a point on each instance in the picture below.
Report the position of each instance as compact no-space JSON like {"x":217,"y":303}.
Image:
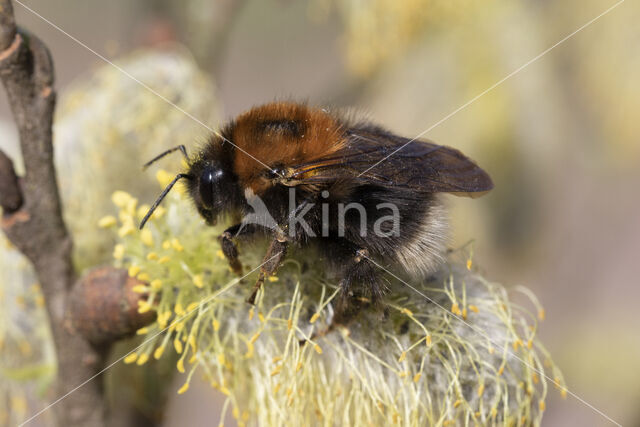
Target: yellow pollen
{"x":143,"y":307}
{"x":178,"y":309}
{"x":118,"y":251}
{"x":146,"y":237}
{"x":121,"y":198}
{"x":198,"y":281}
{"x":107,"y":221}
{"x":473,"y":308}
{"x":126,"y":229}
{"x":175,"y":243}
{"x":481,"y":390}
{"x":407,"y":312}
{"x":134,"y":270}
{"x":178,"y":345}
{"x":142,"y":359}
{"x":157,"y":354}
{"x":184,"y":388}
{"x":130,"y":358}
{"x":140,"y":289}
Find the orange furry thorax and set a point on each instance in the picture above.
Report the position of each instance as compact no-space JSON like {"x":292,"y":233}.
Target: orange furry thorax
{"x":281,"y":135}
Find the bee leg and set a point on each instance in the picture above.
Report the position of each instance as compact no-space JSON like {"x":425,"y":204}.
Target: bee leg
{"x":272,"y":260}
{"x":229,"y":248}
{"x":362,"y":271}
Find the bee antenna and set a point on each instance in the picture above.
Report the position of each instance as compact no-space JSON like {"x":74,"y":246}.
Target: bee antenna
{"x":164,"y":153}
{"x":162,"y":196}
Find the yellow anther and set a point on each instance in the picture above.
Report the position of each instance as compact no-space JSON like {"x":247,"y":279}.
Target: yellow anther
{"x":140,"y":289}
{"x":416,"y":377}
{"x":142,"y":359}
{"x":184,"y":388}
{"x":121,"y":198}
{"x":198,"y":281}
{"x":152,"y":256}
{"x":118,"y":251}
{"x":455,"y":309}
{"x":107,"y":221}
{"x":317,"y":348}
{"x":156,"y":284}
{"x":143,"y":307}
{"x":178,"y":309}
{"x":480,"y":390}
{"x":157,"y":354}
{"x":177,"y":344}
{"x":180,"y":365}
{"x":130,"y":358}
{"x":133,"y":270}
{"x":164,"y":178}
{"x":402,"y":357}
{"x":146,"y":237}
{"x":314,"y":318}
{"x":175,"y":243}
{"x":126,"y":229}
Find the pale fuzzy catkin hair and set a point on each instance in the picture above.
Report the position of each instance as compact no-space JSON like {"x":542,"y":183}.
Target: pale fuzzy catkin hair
{"x":459,"y":353}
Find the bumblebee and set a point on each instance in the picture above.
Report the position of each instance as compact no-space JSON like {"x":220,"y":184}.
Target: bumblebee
{"x":356,"y":192}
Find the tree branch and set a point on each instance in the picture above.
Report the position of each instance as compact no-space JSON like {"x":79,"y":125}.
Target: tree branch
{"x":32,"y":220}
{"x":10,"y":194}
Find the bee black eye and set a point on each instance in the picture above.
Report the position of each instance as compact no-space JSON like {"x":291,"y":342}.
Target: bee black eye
{"x":207,"y":188}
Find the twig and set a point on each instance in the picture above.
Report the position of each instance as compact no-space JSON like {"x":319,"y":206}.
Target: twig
{"x":32,"y":220}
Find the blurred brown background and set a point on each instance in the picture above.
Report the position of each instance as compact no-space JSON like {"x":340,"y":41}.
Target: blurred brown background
{"x":561,"y":138}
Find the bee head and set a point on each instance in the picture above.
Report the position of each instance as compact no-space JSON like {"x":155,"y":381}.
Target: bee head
{"x":211,"y":188}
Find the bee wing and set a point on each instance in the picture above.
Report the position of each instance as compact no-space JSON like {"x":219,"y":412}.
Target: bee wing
{"x":374,"y":156}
